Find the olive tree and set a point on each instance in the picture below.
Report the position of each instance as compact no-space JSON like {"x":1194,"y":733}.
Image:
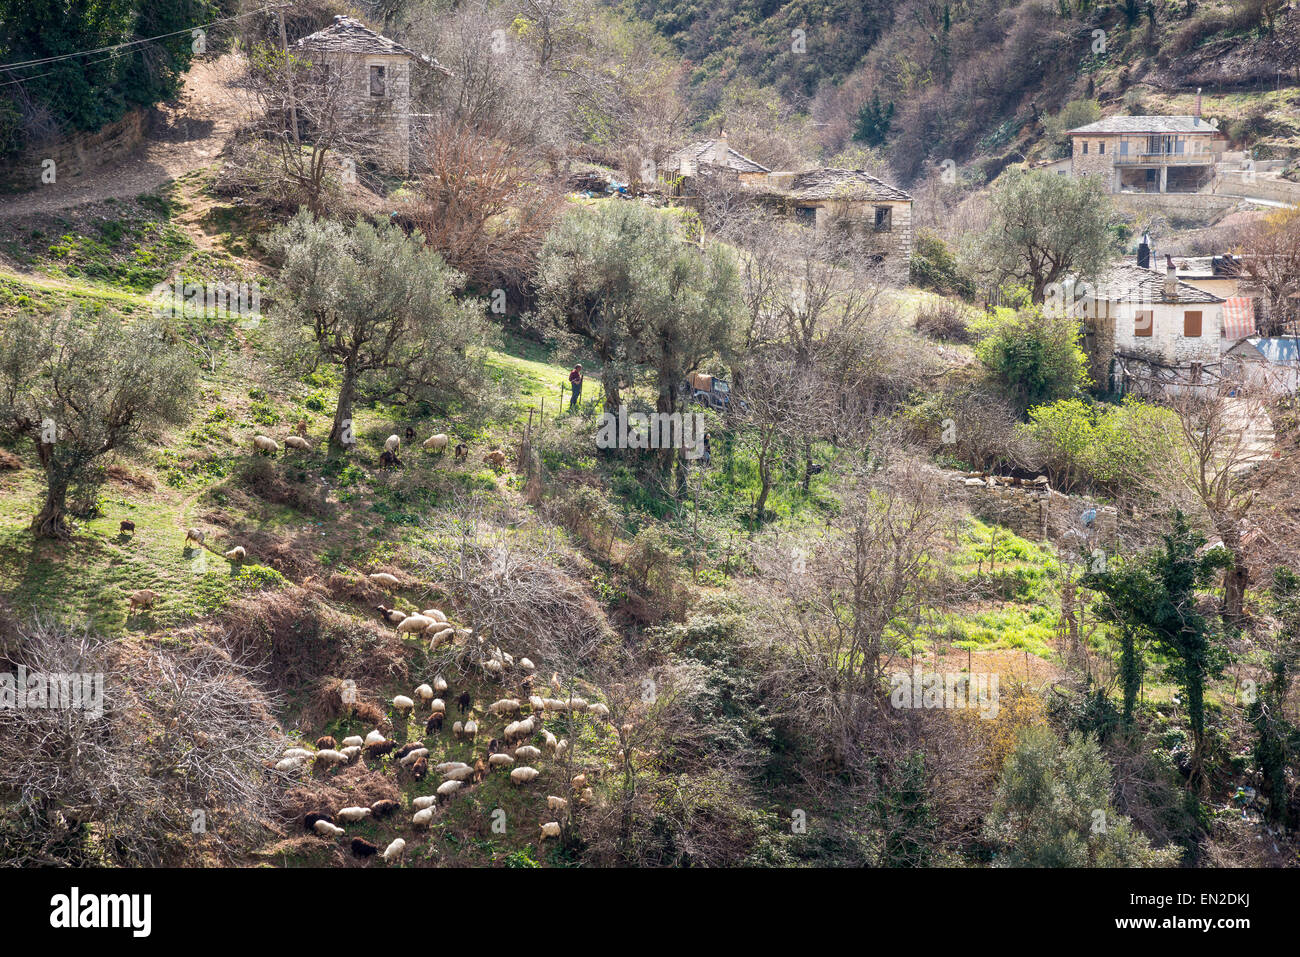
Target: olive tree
{"x":1043,"y":229}
{"x":81,"y":385}
{"x":380,"y":306}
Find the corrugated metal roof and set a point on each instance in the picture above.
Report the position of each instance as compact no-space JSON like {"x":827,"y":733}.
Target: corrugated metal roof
{"x":1280,"y":349}
{"x":1147,"y":124}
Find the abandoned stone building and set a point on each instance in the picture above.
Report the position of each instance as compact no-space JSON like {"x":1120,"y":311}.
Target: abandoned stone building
{"x":851,"y":200}
{"x":372,"y":75}
{"x":1148,"y":154}
{"x":684,"y":168}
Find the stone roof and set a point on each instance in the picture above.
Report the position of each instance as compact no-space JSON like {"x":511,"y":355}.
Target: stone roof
{"x":1129,"y":282}
{"x":347,"y":35}
{"x":833,"y":183}
{"x":705,"y":148}
{"x":1146,"y":124}
{"x":1208,"y":267}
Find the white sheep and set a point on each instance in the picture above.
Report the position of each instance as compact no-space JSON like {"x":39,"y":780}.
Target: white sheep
{"x":523,"y":775}
{"x":422,"y":817}
{"x":548,"y":740}
{"x":439,"y":635}
{"x":448,"y":765}
{"x":392,"y":615}
{"x":458,"y":774}
{"x":440,"y":685}
{"x":330,"y":756}
{"x":288,"y":765}
{"x":527,"y":665}
{"x":598,"y":709}
{"x":555,"y":803}
{"x":436,"y":705}
{"x":326,"y":829}
{"x":436,"y":443}
{"x":298,"y":753}
{"x":415,"y":625}
{"x":448,"y":788}
{"x":354,"y":741}
{"x":500,"y":760}
{"x":383,"y":578}
{"x":587,"y":796}
{"x":393,"y":852}
{"x":403,"y":704}
{"x":297,"y":442}
{"x":550,"y":829}
{"x":561,"y":747}
{"x":414,"y":756}
{"x":504,"y":705}
{"x":471,"y":728}
{"x":536,"y":703}
{"x":435,"y":614}
{"x":236,"y":554}
{"x":264,"y":443}
{"x":421,"y":803}
{"x":392,"y":444}
{"x":351,"y":752}
{"x":375,"y":737}
{"x":354,"y":814}
{"x":528,"y":752}
{"x":458,"y":729}
{"x":424,"y":693}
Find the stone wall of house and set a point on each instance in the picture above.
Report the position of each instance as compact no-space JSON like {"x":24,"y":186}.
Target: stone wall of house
{"x":1091,"y":163}
{"x":1201,"y":206}
{"x":75,"y":155}
{"x":1167,"y":342}
{"x":893,"y":245}
{"x":384,"y":123}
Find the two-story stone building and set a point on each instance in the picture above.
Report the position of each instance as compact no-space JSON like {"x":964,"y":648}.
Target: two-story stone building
{"x":1148,"y":154}
{"x":371,"y":76}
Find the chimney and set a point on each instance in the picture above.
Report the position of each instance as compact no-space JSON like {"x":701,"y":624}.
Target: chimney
{"x":720,"y":148}
{"x":1144,"y":254}
{"x":1198,"y":104}
{"x":1171,"y":278}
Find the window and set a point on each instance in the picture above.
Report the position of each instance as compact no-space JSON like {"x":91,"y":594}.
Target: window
{"x":1143,"y":320}
{"x":1085,"y":146}
{"x":883,"y":219}
{"x":1101,"y":146}
{"x":1123,"y":147}
{"x":806,"y":215}
{"x":1192,"y":324}
{"x":377,"y":81}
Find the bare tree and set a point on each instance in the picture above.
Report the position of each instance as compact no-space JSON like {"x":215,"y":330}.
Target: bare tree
{"x":1270,"y":257}
{"x":180,"y":743}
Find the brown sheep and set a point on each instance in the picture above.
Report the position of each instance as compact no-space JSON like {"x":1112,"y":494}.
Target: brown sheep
{"x":495,"y":458}
{"x":420,"y":768}
{"x":363,"y":848}
{"x":379,"y":749}
{"x":326,"y":743}
{"x":144,"y":598}
{"x":434,"y":724}
{"x":384,"y":808}
{"x":124,"y":527}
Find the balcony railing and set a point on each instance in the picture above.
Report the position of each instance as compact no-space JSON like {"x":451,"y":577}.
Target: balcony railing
{"x":1165,"y":159}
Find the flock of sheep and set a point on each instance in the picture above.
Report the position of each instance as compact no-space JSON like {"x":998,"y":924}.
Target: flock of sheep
{"x":392,"y":445}
{"x":512,"y":749}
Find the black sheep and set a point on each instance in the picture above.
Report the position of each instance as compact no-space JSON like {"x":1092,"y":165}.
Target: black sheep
{"x":462,"y":451}
{"x":434,"y":724}
{"x":384,"y":808}
{"x":363,"y":848}
{"x":420,"y":768}
{"x":408,"y":748}
{"x":464,"y":701}
{"x":125,"y":527}
{"x":388,"y":460}
{"x":410,"y":432}
{"x":309,"y":822}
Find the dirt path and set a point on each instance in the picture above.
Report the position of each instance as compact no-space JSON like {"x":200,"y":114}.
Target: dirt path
{"x":193,"y":130}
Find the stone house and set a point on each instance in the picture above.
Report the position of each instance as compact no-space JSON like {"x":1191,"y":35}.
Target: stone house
{"x":1148,"y":154}
{"x":1144,"y":328}
{"x":684,"y":167}
{"x":373,"y":75}
{"x":850,"y":200}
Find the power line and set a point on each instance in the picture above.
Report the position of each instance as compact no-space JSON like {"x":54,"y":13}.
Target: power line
{"x":4,"y":67}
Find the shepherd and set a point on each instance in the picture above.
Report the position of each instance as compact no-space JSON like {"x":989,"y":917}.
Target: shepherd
{"x":575,"y":380}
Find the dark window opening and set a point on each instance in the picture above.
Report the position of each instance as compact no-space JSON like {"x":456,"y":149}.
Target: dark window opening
{"x":884,"y":219}
{"x":377,"y":81}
